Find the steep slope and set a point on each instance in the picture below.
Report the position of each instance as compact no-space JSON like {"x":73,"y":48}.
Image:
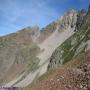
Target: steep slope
{"x":65,"y":26}
{"x":75,"y":75}
{"x":17,"y":50}
{"x":73,"y":46}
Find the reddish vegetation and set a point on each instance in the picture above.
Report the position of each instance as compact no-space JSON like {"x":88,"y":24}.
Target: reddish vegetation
{"x":72,"y":78}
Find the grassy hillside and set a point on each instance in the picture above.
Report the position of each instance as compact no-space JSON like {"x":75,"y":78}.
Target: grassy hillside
{"x":15,"y":51}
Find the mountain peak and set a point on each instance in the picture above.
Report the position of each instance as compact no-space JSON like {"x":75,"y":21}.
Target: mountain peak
{"x":68,"y":20}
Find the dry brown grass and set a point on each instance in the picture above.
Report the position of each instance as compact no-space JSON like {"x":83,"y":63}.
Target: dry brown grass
{"x":76,"y":62}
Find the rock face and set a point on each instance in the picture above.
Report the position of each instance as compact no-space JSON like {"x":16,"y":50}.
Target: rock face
{"x":74,"y":45}
{"x":80,"y":18}
{"x":68,"y":20}
{"x":48,"y":45}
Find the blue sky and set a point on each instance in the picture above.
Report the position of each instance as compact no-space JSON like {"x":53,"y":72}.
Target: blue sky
{"x":17,"y":14}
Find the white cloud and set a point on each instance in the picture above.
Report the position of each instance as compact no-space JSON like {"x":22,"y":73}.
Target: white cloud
{"x":18,"y":15}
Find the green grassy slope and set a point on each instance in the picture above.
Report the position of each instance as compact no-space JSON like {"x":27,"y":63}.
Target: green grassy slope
{"x":73,"y":46}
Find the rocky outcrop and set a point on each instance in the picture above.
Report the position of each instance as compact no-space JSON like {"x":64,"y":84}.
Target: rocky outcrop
{"x":68,"y":20}
{"x":80,"y":18}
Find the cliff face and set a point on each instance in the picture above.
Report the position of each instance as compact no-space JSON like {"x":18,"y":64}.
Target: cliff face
{"x":80,"y":18}
{"x":76,"y":44}
{"x":68,"y":20}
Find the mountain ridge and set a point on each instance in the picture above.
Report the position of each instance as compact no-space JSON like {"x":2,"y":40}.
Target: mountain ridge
{"x":36,"y":51}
